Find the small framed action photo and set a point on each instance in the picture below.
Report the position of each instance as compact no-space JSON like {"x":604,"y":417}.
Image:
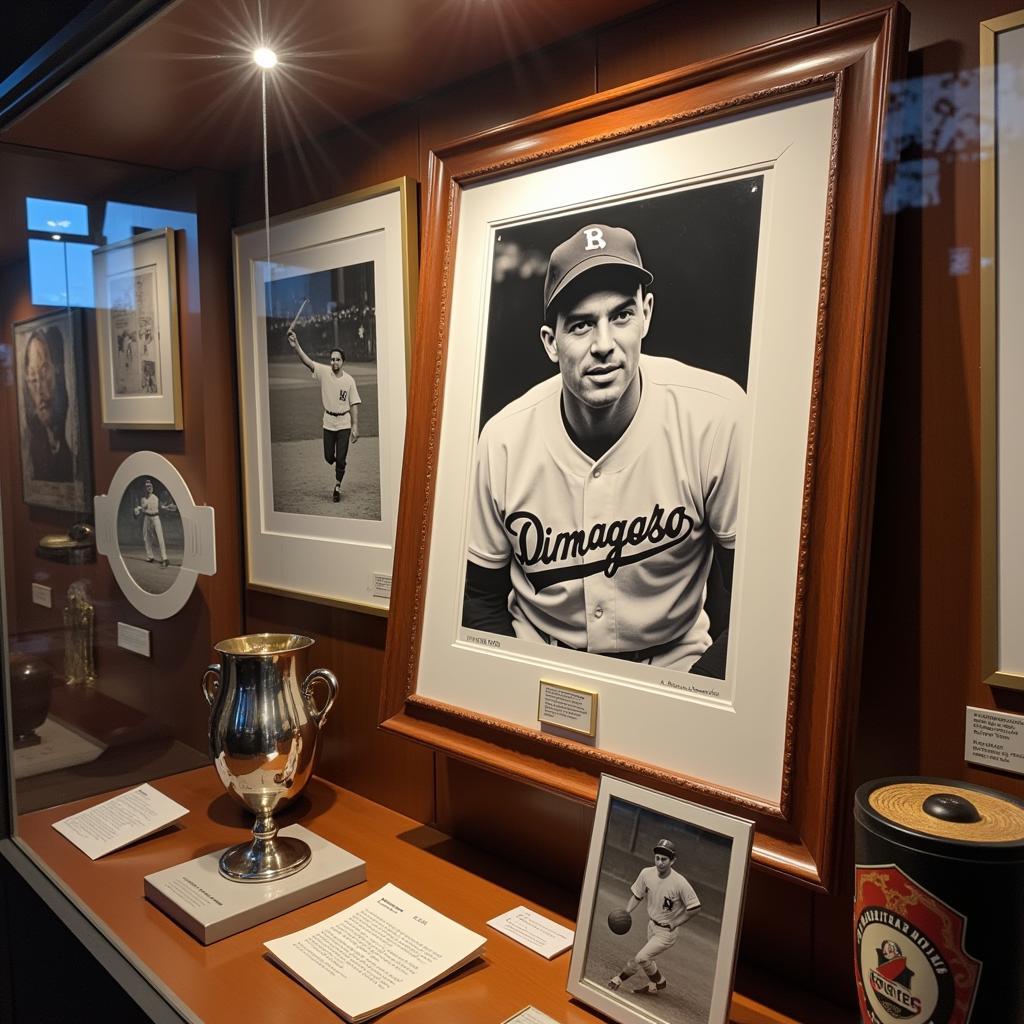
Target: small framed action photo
{"x":661,"y":907}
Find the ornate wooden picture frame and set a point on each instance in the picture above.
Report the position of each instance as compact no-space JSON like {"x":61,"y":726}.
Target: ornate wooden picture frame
{"x":745,"y":706}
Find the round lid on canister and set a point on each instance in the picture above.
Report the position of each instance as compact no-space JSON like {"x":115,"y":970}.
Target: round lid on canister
{"x":953,"y":819}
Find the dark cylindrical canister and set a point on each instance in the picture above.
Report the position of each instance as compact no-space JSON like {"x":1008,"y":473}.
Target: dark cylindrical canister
{"x":939,"y":906}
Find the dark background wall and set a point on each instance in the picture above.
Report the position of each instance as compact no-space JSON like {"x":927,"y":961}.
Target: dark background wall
{"x":922,"y":644}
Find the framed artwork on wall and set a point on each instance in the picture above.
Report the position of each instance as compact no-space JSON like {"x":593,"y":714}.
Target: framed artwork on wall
{"x":157,"y":539}
{"x":53,"y":412}
{"x":136,"y":286}
{"x":324,"y":315}
{"x":646,"y":389}
{"x":660,"y":910}
{"x":1002,"y":360}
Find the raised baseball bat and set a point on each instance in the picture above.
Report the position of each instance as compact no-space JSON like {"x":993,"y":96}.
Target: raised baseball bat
{"x":291,"y":326}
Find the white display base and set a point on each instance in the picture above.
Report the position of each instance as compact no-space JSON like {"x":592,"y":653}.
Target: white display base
{"x":212,"y":907}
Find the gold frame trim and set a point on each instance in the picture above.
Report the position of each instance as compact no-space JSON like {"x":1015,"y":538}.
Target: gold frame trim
{"x":406,"y":188}
{"x":591,"y":732}
{"x":991,"y":673}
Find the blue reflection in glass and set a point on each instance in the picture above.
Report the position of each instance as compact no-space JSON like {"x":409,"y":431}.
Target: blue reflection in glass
{"x":60,"y":273}
{"x":55,"y":216}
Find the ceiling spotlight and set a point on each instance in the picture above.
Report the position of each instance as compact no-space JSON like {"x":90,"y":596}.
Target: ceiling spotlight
{"x":265,"y":57}
{"x":56,"y":238}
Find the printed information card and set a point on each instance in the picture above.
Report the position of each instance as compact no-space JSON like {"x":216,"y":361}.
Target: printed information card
{"x":995,"y":739}
{"x":537,"y":933}
{"x":567,"y":707}
{"x":529,"y":1015}
{"x":119,"y":821}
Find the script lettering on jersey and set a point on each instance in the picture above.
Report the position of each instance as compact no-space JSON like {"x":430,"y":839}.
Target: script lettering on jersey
{"x":667,"y":903}
{"x":537,"y":544}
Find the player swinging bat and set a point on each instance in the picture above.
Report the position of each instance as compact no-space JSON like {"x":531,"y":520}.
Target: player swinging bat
{"x":671,"y":902}
{"x":341,"y":402}
{"x":601,"y":497}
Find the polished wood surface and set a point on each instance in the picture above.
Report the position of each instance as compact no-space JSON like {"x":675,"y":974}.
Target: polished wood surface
{"x":232,"y":980}
{"x":855,"y":58}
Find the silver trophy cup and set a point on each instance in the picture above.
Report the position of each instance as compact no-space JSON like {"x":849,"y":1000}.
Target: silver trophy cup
{"x":264,"y":725}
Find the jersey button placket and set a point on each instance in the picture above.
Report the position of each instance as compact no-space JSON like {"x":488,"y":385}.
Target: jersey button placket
{"x":599,"y":589}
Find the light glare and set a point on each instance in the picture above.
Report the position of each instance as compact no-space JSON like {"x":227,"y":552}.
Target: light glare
{"x":265,"y":57}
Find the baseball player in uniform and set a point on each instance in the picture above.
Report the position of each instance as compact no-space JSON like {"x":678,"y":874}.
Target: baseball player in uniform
{"x":601,"y":496}
{"x":671,"y":902}
{"x":152,"y":529}
{"x":341,"y":401}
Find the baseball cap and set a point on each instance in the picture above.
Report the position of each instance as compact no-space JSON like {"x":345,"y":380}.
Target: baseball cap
{"x":596,"y":245}
{"x":665,"y":846}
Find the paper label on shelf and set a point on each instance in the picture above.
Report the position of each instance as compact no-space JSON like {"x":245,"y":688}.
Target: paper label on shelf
{"x":529,"y":1015}
{"x":534,"y":931}
{"x":42,"y":595}
{"x":567,"y":707}
{"x":119,"y":821}
{"x":133,"y":638}
{"x":995,"y":739}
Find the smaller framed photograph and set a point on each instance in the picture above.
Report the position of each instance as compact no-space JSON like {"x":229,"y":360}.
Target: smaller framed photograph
{"x":157,"y":539}
{"x":53,"y":412}
{"x":660,"y":912}
{"x":137,"y":328}
{"x":324,"y":316}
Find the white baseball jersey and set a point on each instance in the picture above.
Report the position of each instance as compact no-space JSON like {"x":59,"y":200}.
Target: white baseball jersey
{"x":338,"y":394}
{"x":150,"y":505}
{"x":668,"y":899}
{"x":612,"y":555}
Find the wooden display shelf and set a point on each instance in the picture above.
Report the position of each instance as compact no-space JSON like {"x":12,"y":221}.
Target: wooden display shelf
{"x":232,"y":980}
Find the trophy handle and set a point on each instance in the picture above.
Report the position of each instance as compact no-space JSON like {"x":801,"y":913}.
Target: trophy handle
{"x":307,"y":693}
{"x":212,"y":672}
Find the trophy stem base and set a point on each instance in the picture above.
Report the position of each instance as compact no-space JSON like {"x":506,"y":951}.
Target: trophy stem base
{"x":264,"y":860}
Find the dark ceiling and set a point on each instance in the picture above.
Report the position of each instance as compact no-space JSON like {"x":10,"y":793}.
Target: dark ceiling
{"x":182,"y":90}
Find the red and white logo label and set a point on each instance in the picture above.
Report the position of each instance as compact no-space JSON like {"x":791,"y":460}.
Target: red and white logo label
{"x":912,"y":967}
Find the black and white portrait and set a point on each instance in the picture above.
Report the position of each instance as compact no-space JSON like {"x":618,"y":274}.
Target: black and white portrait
{"x":321,"y":336}
{"x":150,"y":534}
{"x":53,"y":418}
{"x":656,"y":919}
{"x":604,"y":501}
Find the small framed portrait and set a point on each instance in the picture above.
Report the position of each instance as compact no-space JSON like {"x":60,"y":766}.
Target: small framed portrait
{"x":137,"y":326}
{"x":323,"y":346}
{"x":157,"y":540}
{"x":660,"y":910}
{"x":53,"y":412}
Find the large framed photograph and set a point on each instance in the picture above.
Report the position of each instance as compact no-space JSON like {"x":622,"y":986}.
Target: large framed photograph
{"x":136,"y":287}
{"x":53,"y":412}
{"x":661,"y":907}
{"x":324,"y":323}
{"x":1002,"y":361}
{"x":646,"y":394}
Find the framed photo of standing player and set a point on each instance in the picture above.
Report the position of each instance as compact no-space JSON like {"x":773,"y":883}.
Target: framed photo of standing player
{"x":157,"y":539}
{"x":660,"y":910}
{"x":136,"y":283}
{"x":647,"y":407}
{"x":323,"y":345}
{"x":53,"y":412}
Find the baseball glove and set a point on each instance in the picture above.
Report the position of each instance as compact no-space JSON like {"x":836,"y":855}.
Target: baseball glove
{"x":619,"y":921}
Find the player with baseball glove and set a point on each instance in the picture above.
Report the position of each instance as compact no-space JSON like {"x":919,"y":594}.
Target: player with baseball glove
{"x":671,"y":902}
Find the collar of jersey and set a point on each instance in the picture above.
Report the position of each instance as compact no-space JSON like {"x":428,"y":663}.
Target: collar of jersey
{"x":621,"y":455}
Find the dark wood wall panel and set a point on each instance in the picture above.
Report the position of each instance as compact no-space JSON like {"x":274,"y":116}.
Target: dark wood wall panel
{"x":677,"y":34}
